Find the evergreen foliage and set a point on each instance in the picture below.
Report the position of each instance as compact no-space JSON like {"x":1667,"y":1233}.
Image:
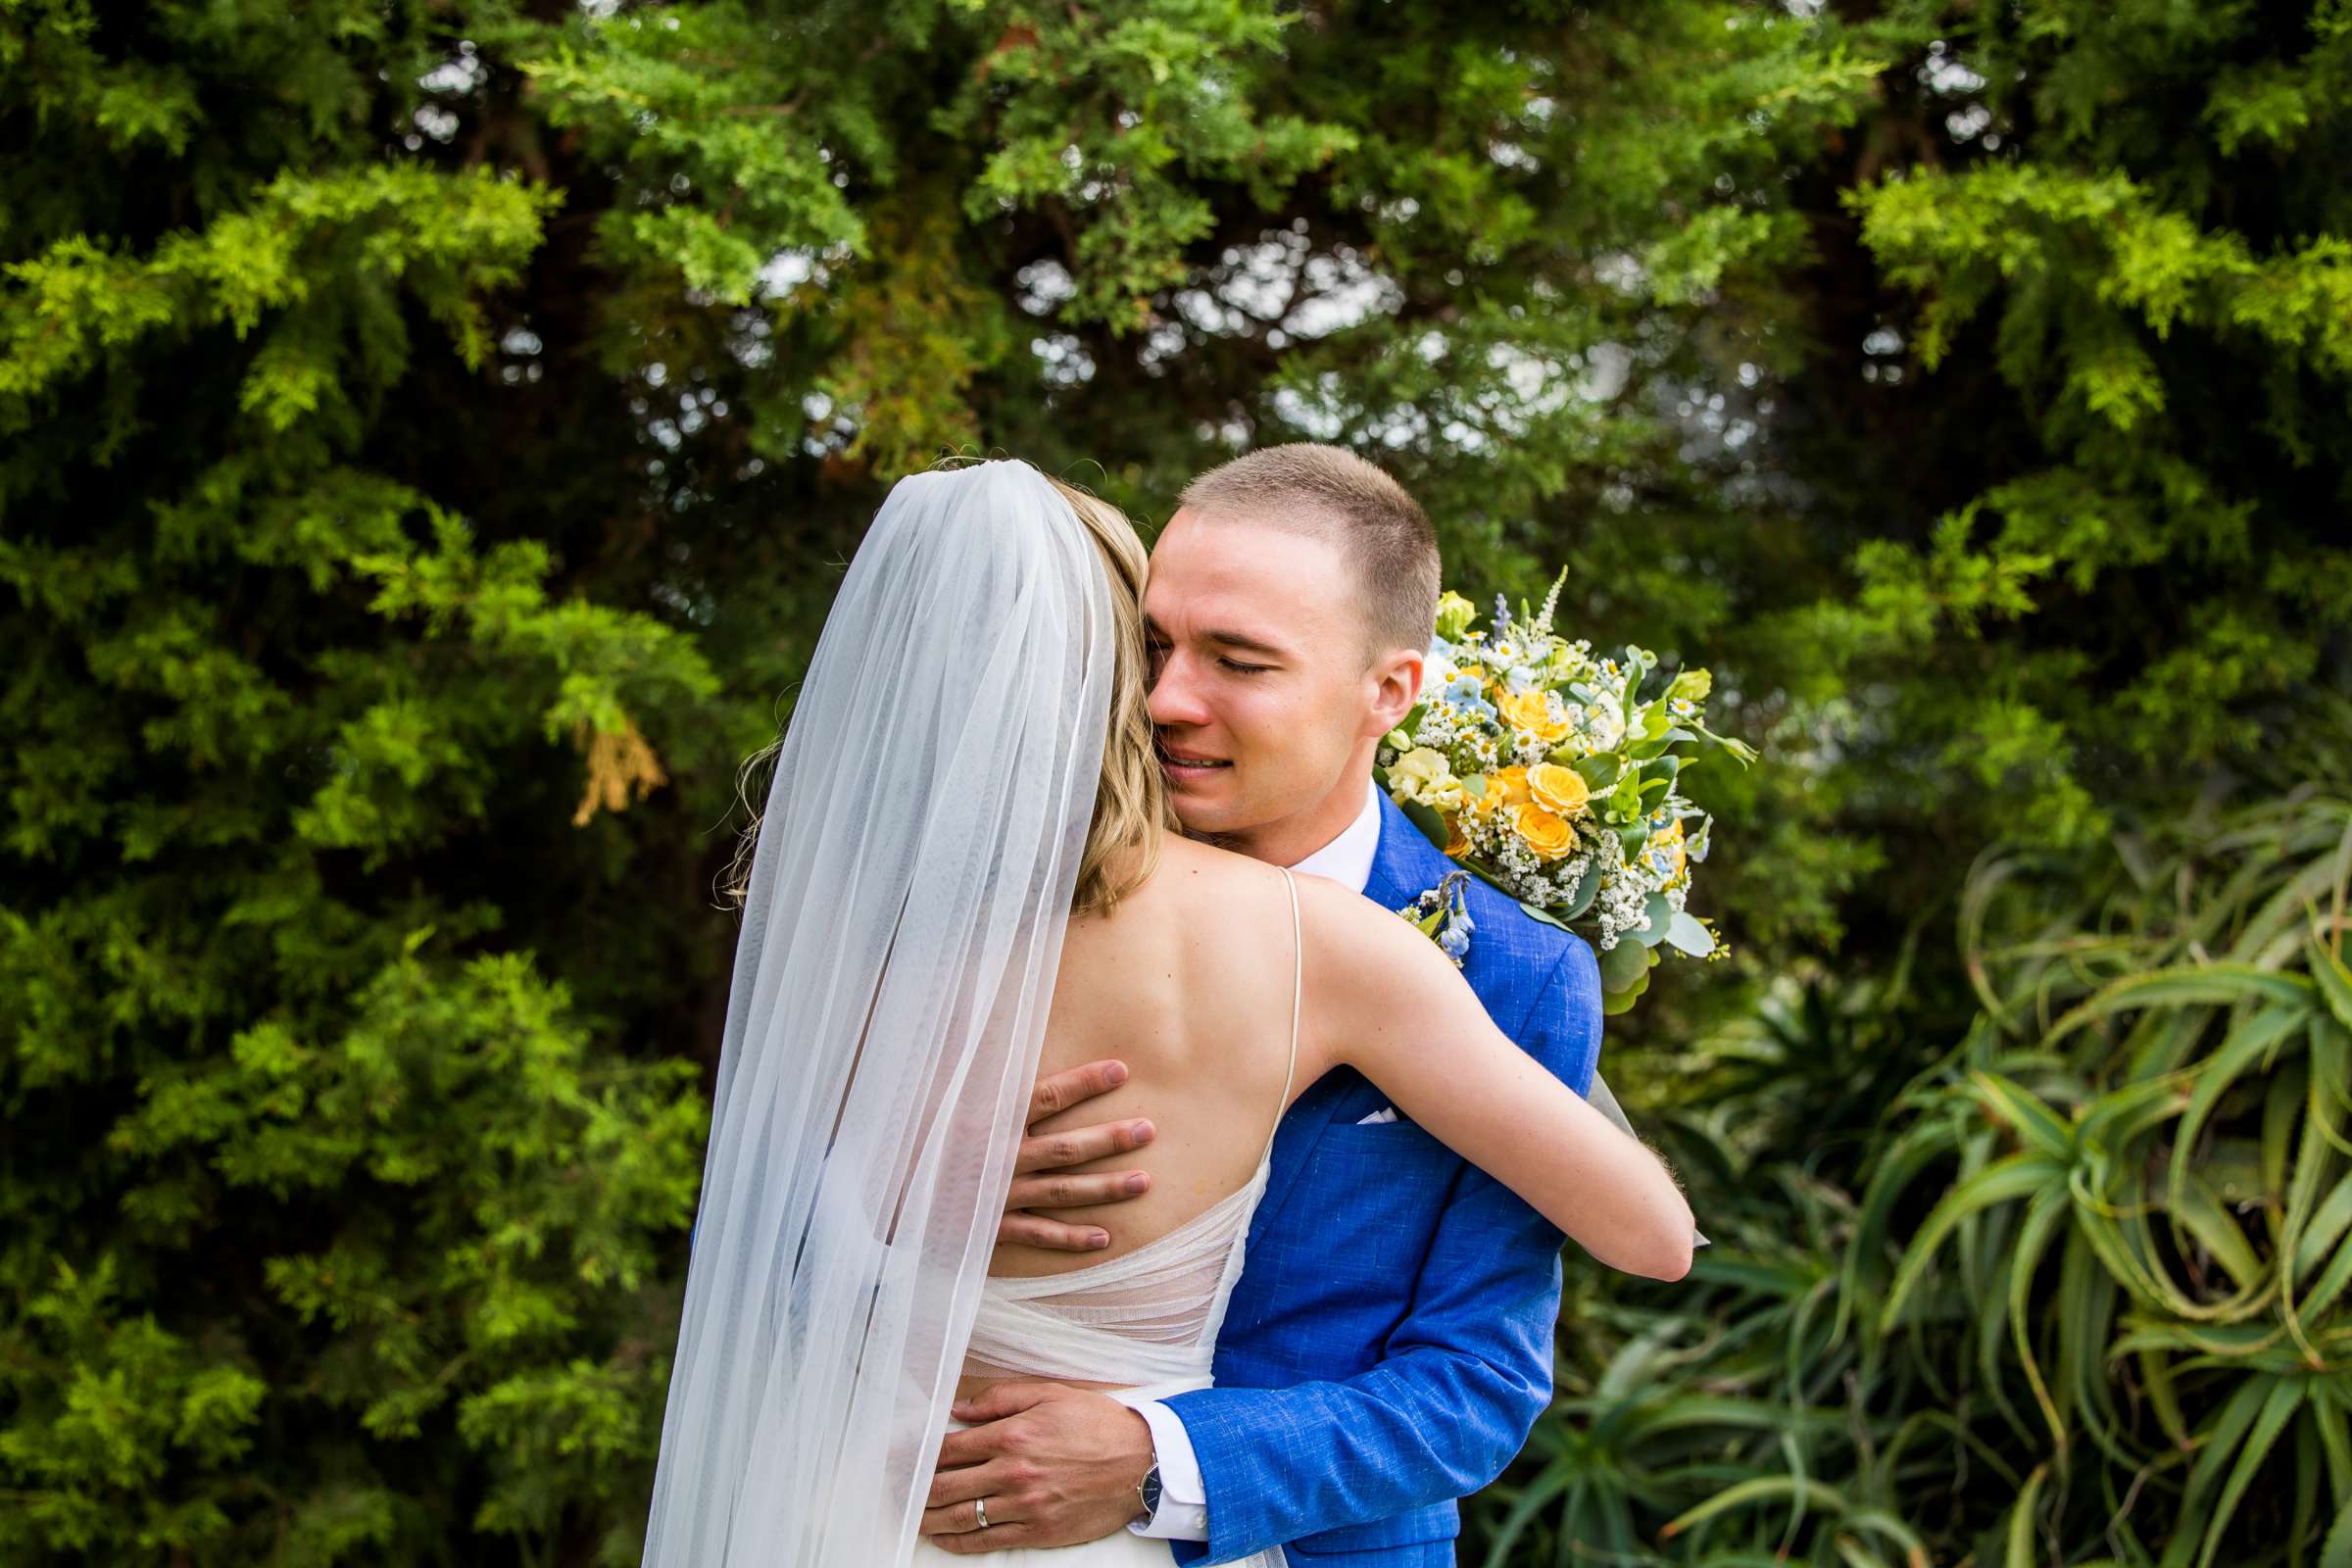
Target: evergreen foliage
{"x":429,"y":435}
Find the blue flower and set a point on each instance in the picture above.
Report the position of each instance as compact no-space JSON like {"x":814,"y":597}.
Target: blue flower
{"x":1445,"y":914}
{"x":1465,"y":694}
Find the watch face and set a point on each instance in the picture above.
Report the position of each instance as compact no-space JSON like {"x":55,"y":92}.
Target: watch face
{"x":1150,"y":1489}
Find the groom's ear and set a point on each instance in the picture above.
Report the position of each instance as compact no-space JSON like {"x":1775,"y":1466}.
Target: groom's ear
{"x":1396,"y":676}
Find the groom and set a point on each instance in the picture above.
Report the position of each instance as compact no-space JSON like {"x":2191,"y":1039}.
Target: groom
{"x":1390,"y":1344}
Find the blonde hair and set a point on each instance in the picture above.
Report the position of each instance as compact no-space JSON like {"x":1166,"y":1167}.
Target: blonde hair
{"x":1130,"y":795}
{"x":1330,"y":493}
{"x":1131,"y":801}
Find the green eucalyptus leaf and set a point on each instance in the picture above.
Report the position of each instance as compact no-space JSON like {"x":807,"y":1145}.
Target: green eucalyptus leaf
{"x":1657,"y":915}
{"x":1537,"y":912}
{"x":1689,"y":936}
{"x":1623,"y":963}
{"x":1588,"y":887}
{"x":1426,"y":819}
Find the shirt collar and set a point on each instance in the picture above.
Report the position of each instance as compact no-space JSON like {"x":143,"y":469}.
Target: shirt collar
{"x":1347,"y":858}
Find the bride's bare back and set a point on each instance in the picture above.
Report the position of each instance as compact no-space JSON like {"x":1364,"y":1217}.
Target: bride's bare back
{"x":1189,"y":982}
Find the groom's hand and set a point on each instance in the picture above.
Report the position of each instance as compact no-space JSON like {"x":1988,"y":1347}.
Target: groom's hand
{"x":1050,"y":1154}
{"x":1056,"y":1467}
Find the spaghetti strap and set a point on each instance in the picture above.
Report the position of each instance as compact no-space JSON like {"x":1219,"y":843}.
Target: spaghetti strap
{"x":1297,"y":990}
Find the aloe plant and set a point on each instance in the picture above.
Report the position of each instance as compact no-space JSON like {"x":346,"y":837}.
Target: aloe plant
{"x":2149,"y":1125}
{"x":2086,"y":1300}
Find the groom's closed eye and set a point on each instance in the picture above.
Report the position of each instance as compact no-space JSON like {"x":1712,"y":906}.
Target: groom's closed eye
{"x":1155,"y":652}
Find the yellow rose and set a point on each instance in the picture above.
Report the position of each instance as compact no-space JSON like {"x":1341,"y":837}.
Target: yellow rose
{"x":1419,"y":772}
{"x":1508,"y":787}
{"x":1527,"y":710}
{"x":1557,"y":788}
{"x":1548,"y":836}
{"x":1456,"y":845}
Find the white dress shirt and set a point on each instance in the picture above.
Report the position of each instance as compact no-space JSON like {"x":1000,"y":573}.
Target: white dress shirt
{"x":1183,"y":1513}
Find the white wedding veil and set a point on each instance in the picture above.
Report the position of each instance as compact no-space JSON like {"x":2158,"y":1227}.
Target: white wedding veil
{"x":903,"y":923}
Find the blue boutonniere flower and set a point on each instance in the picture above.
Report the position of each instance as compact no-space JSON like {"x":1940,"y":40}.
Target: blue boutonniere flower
{"x":1443,"y":916}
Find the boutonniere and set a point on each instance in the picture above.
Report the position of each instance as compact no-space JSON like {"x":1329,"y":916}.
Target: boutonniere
{"x":1443,"y":916}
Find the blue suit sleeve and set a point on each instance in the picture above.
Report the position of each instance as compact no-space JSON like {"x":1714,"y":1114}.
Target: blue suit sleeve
{"x":1463,"y":1376}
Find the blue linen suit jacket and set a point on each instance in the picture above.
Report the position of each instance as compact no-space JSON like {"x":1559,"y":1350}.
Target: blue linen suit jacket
{"x":1389,"y":1344}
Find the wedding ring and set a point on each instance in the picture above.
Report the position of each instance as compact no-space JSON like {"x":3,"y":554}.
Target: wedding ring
{"x":980,"y":1508}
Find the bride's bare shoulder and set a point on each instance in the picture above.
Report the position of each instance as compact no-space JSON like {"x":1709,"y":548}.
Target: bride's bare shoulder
{"x":1192,"y":868}
{"x":1331,"y":914}
{"x":1206,"y":859}
{"x":1352,"y":936}
{"x":1188,"y":882}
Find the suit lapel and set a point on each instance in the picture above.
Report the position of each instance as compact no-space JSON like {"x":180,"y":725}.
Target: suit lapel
{"x":1304,"y":1124}
{"x":1399,"y":861}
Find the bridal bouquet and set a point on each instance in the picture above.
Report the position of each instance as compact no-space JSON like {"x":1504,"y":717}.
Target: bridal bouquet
{"x":1543,"y":770}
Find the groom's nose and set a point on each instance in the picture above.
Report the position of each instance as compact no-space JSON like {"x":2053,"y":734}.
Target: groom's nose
{"x":1175,"y":697}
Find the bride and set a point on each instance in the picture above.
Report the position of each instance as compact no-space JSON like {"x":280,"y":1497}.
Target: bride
{"x":966,"y":870}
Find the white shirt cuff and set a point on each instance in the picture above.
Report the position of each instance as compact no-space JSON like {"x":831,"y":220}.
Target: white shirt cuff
{"x":1183,"y":1513}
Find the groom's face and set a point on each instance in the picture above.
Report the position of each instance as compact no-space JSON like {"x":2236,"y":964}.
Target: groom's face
{"x":1264,"y":689}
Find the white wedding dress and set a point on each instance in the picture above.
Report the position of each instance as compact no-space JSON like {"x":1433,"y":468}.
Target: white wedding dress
{"x":1148,"y":1320}
{"x":903,"y":929}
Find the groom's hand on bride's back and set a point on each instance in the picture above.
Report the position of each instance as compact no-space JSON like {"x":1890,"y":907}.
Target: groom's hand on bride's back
{"x":1041,"y":1178}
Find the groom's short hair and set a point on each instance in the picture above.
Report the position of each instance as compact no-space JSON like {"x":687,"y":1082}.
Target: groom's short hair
{"x":1331,"y":493}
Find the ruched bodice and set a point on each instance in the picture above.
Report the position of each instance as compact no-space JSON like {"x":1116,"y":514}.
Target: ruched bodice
{"x":1150,"y":1316}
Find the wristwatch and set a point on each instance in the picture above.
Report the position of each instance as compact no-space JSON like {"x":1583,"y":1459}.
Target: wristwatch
{"x":1146,"y":1492}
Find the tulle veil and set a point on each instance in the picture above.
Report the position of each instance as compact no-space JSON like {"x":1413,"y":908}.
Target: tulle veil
{"x":903,"y":927}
